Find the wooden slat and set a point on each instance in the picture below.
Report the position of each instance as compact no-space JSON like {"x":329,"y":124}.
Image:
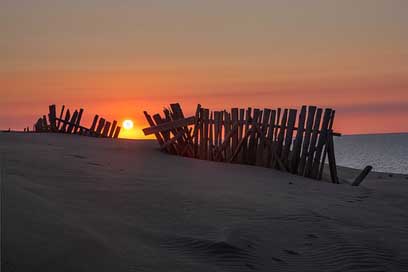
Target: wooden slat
{"x":227,"y":141}
{"x":169,"y":125}
{"x":151,"y":123}
{"x":241,"y":131}
{"x":252,"y":141}
{"x":321,"y":142}
{"x":205,"y":123}
{"x":270,"y":138}
{"x":320,"y":175}
{"x":105,"y":130}
{"x":362,"y":175}
{"x":117,"y":131}
{"x":60,"y":116}
{"x":216,"y":129}
{"x":196,"y":130}
{"x":173,"y":149}
{"x":211,"y":139}
{"x":202,"y":143}
{"x":278,"y":121}
{"x":308,"y":132}
{"x":332,"y":160}
{"x":45,"y":124}
{"x":94,"y":122}
{"x":260,"y":160}
{"x":112,"y":130}
{"x":100,"y":126}
{"x":78,"y":121}
{"x":72,"y":122}
{"x":227,"y":131}
{"x":234,"y":119}
{"x":52,"y":118}
{"x":289,"y":137}
{"x":187,"y":138}
{"x":298,"y":141}
{"x":281,"y":137}
{"x":312,"y":146}
{"x":67,"y":117}
{"x":248,"y":120}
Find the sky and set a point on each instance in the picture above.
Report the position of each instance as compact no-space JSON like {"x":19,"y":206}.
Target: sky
{"x":118,"y":58}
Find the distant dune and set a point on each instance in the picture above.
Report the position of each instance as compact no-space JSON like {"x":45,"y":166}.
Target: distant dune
{"x":75,"y":203}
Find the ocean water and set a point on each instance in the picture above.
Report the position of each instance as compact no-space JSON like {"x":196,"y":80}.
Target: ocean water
{"x":385,"y":152}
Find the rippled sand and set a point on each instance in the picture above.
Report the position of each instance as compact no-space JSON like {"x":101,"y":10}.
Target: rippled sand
{"x":81,"y":204}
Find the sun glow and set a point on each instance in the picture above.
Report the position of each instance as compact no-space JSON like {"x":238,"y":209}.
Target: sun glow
{"x":127,"y":124}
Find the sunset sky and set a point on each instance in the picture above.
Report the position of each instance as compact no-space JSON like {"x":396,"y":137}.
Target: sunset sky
{"x":118,"y":58}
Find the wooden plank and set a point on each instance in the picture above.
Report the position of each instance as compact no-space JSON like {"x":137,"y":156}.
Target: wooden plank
{"x":252,"y":141}
{"x":187,"y":138}
{"x":117,"y":131}
{"x":227,"y":141}
{"x":298,"y":141}
{"x":227,"y":131}
{"x":241,"y":144}
{"x":100,"y":126}
{"x":196,"y":130}
{"x":216,"y":128}
{"x":211,"y":139}
{"x":151,"y":123}
{"x":67,"y":117}
{"x":60,"y":116}
{"x":321,"y":143}
{"x":72,"y":122}
{"x":78,"y":121}
{"x":169,"y":125}
{"x":201,"y":140}
{"x":270,"y":138}
{"x":332,"y":160}
{"x":312,"y":146}
{"x":172,"y":140}
{"x":173,"y":149}
{"x":45,"y":124}
{"x":260,"y":153}
{"x":205,"y":123}
{"x":281,"y":137}
{"x":278,"y":121}
{"x":362,"y":175}
{"x":234,"y":119}
{"x":308,"y":132}
{"x":241,"y":128}
{"x":112,"y":130}
{"x":248,"y":120}
{"x":289,"y":136}
{"x":105,"y":130}
{"x":320,"y":175}
{"x":52,"y":118}
{"x":94,"y":122}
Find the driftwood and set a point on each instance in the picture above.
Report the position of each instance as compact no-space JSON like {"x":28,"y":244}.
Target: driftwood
{"x":360,"y":178}
{"x":273,"y":138}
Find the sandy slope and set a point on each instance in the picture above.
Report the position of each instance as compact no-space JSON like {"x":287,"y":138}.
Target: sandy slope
{"x":81,"y":204}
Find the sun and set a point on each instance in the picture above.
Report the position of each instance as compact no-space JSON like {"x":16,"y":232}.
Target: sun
{"x":127,"y":124}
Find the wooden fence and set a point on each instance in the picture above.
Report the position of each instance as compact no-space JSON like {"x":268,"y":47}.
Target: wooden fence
{"x":71,"y":124}
{"x":273,"y":138}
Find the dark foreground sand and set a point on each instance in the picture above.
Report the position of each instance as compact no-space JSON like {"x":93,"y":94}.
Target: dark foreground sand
{"x":81,"y":204}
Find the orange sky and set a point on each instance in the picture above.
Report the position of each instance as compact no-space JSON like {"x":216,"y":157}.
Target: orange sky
{"x":117,"y":60}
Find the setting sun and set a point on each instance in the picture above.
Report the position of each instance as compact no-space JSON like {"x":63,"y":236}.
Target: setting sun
{"x":128,"y":124}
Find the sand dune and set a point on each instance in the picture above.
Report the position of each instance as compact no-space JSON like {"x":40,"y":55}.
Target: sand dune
{"x":81,"y":204}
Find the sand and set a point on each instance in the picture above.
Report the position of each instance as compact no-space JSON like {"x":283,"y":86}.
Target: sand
{"x":74,"y":203}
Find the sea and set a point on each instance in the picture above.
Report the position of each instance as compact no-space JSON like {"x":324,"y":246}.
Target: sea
{"x":385,"y":152}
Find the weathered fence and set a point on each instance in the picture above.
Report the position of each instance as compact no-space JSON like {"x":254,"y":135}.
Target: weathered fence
{"x":71,"y":124}
{"x":273,"y":138}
